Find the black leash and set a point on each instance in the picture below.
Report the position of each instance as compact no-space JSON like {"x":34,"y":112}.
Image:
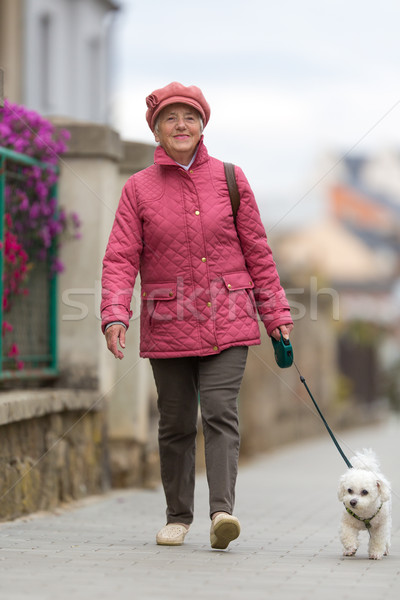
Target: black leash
{"x":284,"y":358}
{"x":303,"y":381}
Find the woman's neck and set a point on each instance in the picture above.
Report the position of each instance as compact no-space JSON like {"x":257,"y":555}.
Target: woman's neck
{"x":188,"y":164}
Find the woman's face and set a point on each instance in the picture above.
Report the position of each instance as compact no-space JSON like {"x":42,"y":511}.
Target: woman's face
{"x":179,"y":131}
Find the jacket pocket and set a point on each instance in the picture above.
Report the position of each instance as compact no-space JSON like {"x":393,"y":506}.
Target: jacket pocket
{"x":242,"y":303}
{"x":239,"y":280}
{"x":159,"y":301}
{"x":158,"y":291}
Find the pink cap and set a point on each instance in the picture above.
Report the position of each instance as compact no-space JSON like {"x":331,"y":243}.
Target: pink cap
{"x":173,"y":93}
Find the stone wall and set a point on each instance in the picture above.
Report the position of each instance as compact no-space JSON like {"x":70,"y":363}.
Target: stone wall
{"x":53,"y":449}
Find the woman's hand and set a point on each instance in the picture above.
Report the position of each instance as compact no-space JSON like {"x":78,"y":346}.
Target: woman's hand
{"x":284,"y":329}
{"x":113,"y":334}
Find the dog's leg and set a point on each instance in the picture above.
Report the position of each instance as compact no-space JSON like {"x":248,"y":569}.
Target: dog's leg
{"x":388,"y":533}
{"x":349,"y":539}
{"x":377,"y":543}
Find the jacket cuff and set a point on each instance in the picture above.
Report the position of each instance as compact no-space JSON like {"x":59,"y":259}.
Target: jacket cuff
{"x":115,"y":313}
{"x":114,"y":323}
{"x":271,"y":325}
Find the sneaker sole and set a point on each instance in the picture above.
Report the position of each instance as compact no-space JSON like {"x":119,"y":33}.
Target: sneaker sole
{"x":169,"y":543}
{"x":224,"y":533}
{"x":165,"y":540}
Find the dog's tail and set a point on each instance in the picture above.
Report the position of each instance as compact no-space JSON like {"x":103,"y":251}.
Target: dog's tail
{"x":366,"y":459}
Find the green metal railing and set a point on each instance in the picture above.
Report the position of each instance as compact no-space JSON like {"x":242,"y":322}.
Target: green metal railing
{"x":33,"y":316}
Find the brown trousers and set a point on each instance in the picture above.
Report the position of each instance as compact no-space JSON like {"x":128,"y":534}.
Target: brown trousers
{"x":180,"y":383}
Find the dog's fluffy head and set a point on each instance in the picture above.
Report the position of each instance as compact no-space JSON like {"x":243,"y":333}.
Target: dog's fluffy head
{"x":363,"y":488}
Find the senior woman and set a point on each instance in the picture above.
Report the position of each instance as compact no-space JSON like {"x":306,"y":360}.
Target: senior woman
{"x":203,"y":280}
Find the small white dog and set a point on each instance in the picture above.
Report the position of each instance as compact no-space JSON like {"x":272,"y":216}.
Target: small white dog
{"x":366,"y":496}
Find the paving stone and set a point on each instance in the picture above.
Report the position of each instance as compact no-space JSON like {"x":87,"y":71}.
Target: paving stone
{"x":104,"y":547}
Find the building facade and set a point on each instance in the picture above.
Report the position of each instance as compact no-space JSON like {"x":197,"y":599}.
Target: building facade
{"x":55,"y":56}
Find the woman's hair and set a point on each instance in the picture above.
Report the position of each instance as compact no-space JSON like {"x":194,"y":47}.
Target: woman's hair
{"x":158,"y":119}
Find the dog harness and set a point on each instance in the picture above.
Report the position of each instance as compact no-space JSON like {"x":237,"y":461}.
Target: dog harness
{"x":367,"y":522}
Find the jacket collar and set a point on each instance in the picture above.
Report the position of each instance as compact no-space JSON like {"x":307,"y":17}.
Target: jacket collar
{"x":163,"y":159}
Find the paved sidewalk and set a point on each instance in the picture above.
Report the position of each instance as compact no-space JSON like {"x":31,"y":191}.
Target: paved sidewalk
{"x":289,"y":547}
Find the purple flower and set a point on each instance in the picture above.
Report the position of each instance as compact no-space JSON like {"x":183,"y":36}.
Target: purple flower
{"x":20,"y":145}
{"x":57,"y":266}
{"x":55,"y":228}
{"x":35,"y":211}
{"x":24,"y":204}
{"x":41,"y":190}
{"x":32,"y":214}
{"x":46,"y":237}
{"x":5,"y":131}
{"x":36,"y":172}
{"x":75,"y":219}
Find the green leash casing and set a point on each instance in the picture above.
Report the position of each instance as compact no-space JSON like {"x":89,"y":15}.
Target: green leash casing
{"x":283,"y":352}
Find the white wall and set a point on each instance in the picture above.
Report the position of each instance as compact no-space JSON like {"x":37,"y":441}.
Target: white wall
{"x":65,"y":57}
{"x":90,"y":184}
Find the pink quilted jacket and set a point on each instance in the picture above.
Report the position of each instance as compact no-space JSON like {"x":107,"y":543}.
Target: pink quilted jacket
{"x":202,"y":282}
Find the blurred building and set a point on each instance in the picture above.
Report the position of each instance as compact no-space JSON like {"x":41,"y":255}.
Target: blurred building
{"x":55,"y":56}
{"x":367,"y":203}
{"x":354,"y":251}
{"x":356,"y":247}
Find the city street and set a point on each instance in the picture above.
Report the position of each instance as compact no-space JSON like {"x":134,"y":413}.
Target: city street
{"x":104,"y":547}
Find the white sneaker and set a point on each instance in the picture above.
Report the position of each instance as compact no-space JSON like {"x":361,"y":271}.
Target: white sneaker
{"x":224,"y":529}
{"x":172,"y":534}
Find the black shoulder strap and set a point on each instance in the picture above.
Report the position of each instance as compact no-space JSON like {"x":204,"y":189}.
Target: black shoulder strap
{"x":233,"y":188}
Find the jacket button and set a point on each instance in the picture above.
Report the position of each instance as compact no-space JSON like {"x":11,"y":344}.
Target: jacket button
{"x":229,"y":286}
{"x":203,"y":259}
{"x":209,"y":304}
{"x":197,"y":212}
{"x":215,"y":348}
{"x":171,"y":294}
{"x":144,"y":294}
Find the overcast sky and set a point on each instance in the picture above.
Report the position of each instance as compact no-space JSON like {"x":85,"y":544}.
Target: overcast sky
{"x":287,"y":80}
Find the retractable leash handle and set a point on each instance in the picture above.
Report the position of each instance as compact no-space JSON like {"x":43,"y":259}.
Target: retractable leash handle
{"x":283,"y":352}
{"x":284,"y":358}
